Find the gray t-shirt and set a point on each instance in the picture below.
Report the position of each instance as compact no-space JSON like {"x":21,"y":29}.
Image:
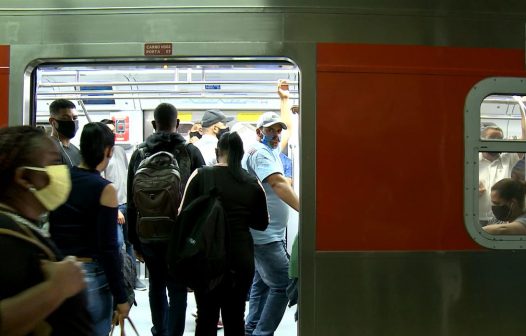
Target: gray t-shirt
{"x":261,"y":161}
{"x":69,"y":155}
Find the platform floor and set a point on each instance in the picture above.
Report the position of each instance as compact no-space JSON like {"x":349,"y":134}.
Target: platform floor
{"x":141,"y":317}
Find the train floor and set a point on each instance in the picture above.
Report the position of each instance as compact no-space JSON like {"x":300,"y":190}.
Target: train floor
{"x":141,"y":317}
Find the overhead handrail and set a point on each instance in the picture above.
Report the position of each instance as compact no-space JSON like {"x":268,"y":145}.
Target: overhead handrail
{"x":108,"y":92}
{"x":77,"y":97}
{"x":62,"y":84}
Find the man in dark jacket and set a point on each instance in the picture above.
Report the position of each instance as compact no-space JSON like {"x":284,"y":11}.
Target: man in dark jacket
{"x":168,"y":317}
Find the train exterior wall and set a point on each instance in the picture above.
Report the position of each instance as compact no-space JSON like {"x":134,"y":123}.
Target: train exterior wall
{"x":4,"y":84}
{"x":384,"y":250}
{"x":396,"y":115}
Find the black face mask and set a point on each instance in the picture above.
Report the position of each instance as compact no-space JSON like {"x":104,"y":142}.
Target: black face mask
{"x":501,"y":212}
{"x":222,"y":131}
{"x":195,"y":134}
{"x":68,"y":128}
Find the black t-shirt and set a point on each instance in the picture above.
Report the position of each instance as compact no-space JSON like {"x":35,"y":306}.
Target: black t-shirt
{"x":83,"y":227}
{"x":21,"y":270}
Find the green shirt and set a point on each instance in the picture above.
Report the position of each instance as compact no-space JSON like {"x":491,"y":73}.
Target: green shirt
{"x":293,"y":265}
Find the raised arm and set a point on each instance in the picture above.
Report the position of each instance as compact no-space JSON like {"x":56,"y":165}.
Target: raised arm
{"x":286,"y":112}
{"x":522,"y":108}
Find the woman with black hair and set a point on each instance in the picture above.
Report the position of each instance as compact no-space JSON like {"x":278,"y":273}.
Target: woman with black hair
{"x":245,"y":205}
{"x":86,"y":227}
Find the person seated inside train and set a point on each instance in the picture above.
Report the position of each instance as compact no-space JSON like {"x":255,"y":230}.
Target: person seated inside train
{"x":40,"y":291}
{"x":507,"y":198}
{"x":495,"y":166}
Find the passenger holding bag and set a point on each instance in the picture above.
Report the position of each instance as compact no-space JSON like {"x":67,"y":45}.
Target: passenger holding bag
{"x":231,"y":269}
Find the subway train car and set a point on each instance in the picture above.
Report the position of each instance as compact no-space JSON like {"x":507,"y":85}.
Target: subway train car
{"x":392,"y":98}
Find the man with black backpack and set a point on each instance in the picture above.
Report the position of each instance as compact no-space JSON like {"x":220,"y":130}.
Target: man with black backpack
{"x":157,"y":175}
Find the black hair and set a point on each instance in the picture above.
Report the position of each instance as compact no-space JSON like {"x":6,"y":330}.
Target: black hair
{"x":18,"y":146}
{"x":165,"y":116}
{"x":108,"y":122}
{"x":510,"y":189}
{"x":231,"y":144}
{"x":94,"y":140}
{"x":60,"y":104}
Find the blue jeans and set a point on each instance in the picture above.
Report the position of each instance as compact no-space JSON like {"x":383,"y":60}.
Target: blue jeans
{"x":168,"y":317}
{"x":268,"y":297}
{"x":100,"y":300}
{"x":120,"y":234}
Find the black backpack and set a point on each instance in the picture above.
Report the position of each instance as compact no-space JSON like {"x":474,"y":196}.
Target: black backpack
{"x":199,"y":244}
{"x":158,"y":186}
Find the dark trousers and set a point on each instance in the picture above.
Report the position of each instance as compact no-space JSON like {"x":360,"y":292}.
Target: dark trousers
{"x":229,"y":297}
{"x":168,"y":316}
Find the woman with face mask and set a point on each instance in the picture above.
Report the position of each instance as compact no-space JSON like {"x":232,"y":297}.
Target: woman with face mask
{"x":86,"y":226}
{"x":507,"y":198}
{"x":41,"y":293}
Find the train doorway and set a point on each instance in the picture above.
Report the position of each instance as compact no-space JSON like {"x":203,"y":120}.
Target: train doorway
{"x":128,"y":92}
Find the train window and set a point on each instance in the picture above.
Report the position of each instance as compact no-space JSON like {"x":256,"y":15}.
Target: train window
{"x":495,"y":146}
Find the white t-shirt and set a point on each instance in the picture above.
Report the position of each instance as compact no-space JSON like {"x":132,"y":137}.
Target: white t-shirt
{"x":207,"y":145}
{"x":490,"y":172}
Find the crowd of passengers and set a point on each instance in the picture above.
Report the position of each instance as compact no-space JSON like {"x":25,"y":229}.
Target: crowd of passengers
{"x":502,"y":186}
{"x":67,"y":214}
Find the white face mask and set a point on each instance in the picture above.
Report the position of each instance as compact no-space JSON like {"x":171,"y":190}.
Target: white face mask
{"x":57,"y":191}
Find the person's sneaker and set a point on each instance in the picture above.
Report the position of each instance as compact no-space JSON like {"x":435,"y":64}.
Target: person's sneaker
{"x":139,"y":285}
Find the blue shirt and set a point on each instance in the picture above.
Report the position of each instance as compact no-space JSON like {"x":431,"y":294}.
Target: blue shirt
{"x":261,"y":161}
{"x":287,"y":165}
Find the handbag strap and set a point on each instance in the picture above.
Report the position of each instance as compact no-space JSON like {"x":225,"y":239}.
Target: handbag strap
{"x":120,"y":322}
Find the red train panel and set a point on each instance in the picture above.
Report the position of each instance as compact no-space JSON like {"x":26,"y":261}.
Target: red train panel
{"x":390,"y":143}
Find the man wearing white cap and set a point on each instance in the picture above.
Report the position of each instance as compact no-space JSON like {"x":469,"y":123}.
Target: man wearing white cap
{"x":214,"y":125}
{"x":268,"y":298}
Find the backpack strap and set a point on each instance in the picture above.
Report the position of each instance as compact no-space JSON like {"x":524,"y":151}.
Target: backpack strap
{"x":185,"y":163}
{"x":27,"y":236}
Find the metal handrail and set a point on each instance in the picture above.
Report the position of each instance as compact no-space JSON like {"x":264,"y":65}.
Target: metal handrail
{"x":501,"y":117}
{"x":150,"y":91}
{"x":58,"y":96}
{"x":160,"y":83}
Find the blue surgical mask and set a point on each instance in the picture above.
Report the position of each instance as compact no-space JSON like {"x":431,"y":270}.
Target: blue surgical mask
{"x":267,"y":139}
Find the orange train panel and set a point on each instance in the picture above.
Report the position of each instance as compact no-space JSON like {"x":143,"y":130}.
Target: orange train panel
{"x":390,"y":143}
{"x":4,"y":85}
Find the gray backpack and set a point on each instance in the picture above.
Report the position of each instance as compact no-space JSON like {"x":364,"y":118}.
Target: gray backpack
{"x":158,"y":187}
